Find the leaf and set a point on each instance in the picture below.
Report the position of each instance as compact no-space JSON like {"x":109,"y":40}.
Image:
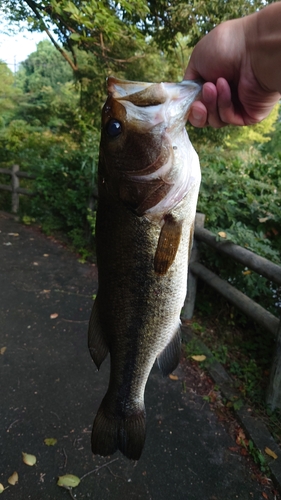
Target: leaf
{"x":68,"y":481}
{"x":2,"y":350}
{"x":13,"y":479}
{"x":2,"y":488}
{"x":222,"y":234}
{"x":199,"y":357}
{"x":173,"y":377}
{"x":50,"y":441}
{"x":246,"y":273}
{"x":54,"y":315}
{"x":28,"y":459}
{"x":271,"y":453}
{"x":75,"y":36}
{"x":13,"y":234}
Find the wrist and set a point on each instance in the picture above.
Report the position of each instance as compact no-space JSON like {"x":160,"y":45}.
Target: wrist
{"x":263,"y":45}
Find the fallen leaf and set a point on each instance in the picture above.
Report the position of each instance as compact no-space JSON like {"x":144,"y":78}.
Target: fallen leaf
{"x":13,"y":234}
{"x":241,"y":438}
{"x":1,"y":488}
{"x":222,"y":234}
{"x":271,"y":453}
{"x":246,"y":273}
{"x":45,"y":255}
{"x":243,"y":452}
{"x":264,"y":495}
{"x":35,"y":263}
{"x":7,"y":244}
{"x":2,"y":350}
{"x":50,"y":441}
{"x":54,"y":315}
{"x":173,"y":377}
{"x":199,"y":357}
{"x":28,"y":459}
{"x":13,"y":479}
{"x":68,"y":481}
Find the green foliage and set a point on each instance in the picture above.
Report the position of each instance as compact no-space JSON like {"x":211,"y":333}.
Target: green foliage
{"x":245,"y":351}
{"x":64,"y":190}
{"x":241,"y":197}
{"x":192,"y":18}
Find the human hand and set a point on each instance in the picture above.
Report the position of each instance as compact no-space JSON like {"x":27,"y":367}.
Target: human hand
{"x":237,"y":90}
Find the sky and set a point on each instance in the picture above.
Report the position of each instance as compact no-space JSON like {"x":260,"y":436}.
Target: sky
{"x":15,"y":48}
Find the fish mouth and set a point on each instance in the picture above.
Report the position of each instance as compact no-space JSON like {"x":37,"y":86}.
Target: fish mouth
{"x":173,"y":99}
{"x":152,"y":160}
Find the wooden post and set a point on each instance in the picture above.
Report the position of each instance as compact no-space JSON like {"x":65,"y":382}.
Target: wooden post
{"x":15,"y":186}
{"x":274,"y":389}
{"x":189,"y":303}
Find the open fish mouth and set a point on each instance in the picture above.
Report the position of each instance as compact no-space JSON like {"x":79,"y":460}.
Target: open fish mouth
{"x":155,"y":181}
{"x":173,"y":99}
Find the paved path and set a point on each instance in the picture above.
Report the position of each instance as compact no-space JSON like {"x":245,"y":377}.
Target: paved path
{"x":49,"y":388}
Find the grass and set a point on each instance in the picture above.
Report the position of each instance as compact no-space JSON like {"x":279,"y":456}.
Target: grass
{"x":244,"y":350}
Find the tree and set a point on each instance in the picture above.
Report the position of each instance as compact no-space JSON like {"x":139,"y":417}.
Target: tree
{"x":92,"y":26}
{"x":8,"y":93}
{"x":101,"y":26}
{"x":192,"y":18}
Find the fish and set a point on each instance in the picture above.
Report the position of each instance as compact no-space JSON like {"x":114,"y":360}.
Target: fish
{"x":148,"y":184}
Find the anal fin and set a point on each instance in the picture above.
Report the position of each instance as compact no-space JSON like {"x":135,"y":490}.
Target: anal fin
{"x":96,"y":342}
{"x":169,"y":358}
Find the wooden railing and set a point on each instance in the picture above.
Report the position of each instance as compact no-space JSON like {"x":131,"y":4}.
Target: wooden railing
{"x":14,"y":186}
{"x":196,"y":270}
{"x":249,"y":307}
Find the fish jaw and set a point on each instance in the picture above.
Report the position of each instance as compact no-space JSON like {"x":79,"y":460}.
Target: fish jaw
{"x":152,"y":118}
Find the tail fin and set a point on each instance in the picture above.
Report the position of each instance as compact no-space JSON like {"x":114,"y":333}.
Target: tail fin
{"x":112,"y":433}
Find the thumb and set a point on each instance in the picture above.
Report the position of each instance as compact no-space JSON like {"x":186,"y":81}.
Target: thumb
{"x":191,"y":73}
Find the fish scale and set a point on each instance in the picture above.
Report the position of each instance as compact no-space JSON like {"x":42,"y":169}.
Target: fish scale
{"x":142,"y":254}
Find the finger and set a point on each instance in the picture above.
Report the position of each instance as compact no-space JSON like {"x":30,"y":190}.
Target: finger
{"x":209,"y":98}
{"x":198,"y":114}
{"x":228,"y":112}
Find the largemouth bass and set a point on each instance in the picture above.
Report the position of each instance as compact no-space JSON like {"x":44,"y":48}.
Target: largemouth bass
{"x":148,"y":183}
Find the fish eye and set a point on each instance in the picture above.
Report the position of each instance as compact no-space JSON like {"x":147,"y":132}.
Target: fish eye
{"x":113,"y":128}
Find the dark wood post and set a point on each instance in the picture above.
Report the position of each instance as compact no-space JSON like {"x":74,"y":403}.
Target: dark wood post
{"x":189,"y":303}
{"x":15,"y":186}
{"x":274,"y":389}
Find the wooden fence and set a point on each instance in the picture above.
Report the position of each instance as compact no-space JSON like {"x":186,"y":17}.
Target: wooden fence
{"x":250,"y":308}
{"x":196,"y":270}
{"x":14,"y":186}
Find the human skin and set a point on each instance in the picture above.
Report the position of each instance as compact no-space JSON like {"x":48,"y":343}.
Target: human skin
{"x":240,"y":62}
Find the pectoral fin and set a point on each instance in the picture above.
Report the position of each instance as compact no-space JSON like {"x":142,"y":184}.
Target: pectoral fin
{"x":169,"y":358}
{"x":168,"y":244}
{"x":96,"y":341}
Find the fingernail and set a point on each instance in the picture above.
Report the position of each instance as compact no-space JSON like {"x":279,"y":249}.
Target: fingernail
{"x":197,"y":115}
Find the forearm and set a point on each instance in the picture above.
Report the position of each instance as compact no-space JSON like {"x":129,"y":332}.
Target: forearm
{"x":263,"y":44}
